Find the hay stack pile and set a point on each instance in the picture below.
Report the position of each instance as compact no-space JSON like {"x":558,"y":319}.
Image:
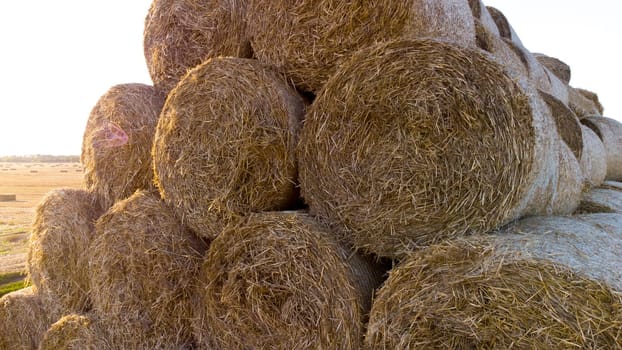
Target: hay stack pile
{"x":289,"y":153}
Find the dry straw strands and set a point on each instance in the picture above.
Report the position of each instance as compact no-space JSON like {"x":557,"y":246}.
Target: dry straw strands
{"x":556,"y":66}
{"x":602,"y":200}
{"x":90,"y":332}
{"x":71,"y":332}
{"x":437,"y":141}
{"x":544,"y":283}
{"x":583,"y":105}
{"x":309,"y":39}
{"x":503,"y":26}
{"x":593,"y":97}
{"x":225,"y":144}
{"x":593,"y":158}
{"x":610,"y":132}
{"x":181,"y":34}
{"x":566,"y":122}
{"x":481,"y":14}
{"x":23,"y":320}
{"x":58,"y":248}
{"x":116,"y":148}
{"x":142,"y":266}
{"x":281,"y":281}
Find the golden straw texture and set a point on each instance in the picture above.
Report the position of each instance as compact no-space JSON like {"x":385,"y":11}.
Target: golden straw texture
{"x":116,"y":147}
{"x":544,"y":283}
{"x":309,"y":39}
{"x":181,"y":34}
{"x":225,"y":144}
{"x":71,"y":332}
{"x":23,"y":320}
{"x":58,"y":248}
{"x":282,"y":281}
{"x":427,"y":140}
{"x":142,"y":267}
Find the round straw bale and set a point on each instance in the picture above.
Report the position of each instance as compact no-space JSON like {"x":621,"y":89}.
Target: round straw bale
{"x":610,"y":132}
{"x":503,"y":26}
{"x":593,"y":158}
{"x":594,"y":97}
{"x":556,"y":66}
{"x":225,"y":144}
{"x":483,"y":37}
{"x":567,"y":123}
{"x":142,"y":266}
{"x":58,"y":248}
{"x":308,"y":40}
{"x":71,"y":332}
{"x":557,"y":87}
{"x":546,"y":283}
{"x":90,"y":332}
{"x":570,"y":183}
{"x":181,"y":34}
{"x":513,"y":63}
{"x":519,"y":62}
{"x":23,"y":320}
{"x":582,"y":105}
{"x":116,"y":148}
{"x":481,"y":14}
{"x":281,"y":281}
{"x":554,"y":168}
{"x":536,"y":72}
{"x":601,"y":200}
{"x":428,"y":140}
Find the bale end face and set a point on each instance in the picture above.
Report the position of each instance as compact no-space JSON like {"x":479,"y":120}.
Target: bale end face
{"x":478,"y":134}
{"x":116,"y":146}
{"x":225,"y":144}
{"x":281,"y":280}
{"x":142,"y":267}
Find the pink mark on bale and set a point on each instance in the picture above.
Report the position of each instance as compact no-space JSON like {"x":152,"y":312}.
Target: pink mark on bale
{"x":109,"y":136}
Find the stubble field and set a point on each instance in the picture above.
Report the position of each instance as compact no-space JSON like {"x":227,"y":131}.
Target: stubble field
{"x":29,"y":182}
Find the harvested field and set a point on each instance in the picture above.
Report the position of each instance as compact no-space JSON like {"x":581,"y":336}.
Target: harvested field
{"x":28,"y":188}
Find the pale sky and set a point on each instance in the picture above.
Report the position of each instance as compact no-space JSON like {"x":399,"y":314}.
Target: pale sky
{"x":59,"y":57}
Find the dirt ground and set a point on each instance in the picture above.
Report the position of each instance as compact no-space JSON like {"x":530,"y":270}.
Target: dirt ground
{"x":29,"y":182}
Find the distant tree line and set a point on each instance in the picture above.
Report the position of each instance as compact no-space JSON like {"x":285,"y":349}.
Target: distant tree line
{"x":40,"y":158}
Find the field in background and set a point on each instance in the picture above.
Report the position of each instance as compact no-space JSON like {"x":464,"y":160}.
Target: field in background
{"x":29,"y":182}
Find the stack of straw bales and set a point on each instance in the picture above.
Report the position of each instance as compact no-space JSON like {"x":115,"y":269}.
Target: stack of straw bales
{"x":290,"y":153}
{"x":59,"y":248}
{"x":542,"y":283}
{"x":610,"y":132}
